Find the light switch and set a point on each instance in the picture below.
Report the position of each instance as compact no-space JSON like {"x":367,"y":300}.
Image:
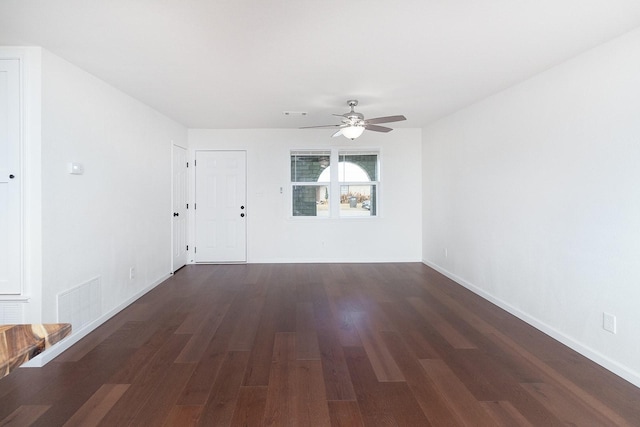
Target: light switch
{"x":76,"y":168}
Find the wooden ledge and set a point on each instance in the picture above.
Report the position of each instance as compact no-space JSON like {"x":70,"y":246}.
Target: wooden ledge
{"x":20,"y":343}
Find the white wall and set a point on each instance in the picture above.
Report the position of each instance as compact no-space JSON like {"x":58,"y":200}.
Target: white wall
{"x":118,"y":214}
{"x":275,"y":236}
{"x":535,"y":194}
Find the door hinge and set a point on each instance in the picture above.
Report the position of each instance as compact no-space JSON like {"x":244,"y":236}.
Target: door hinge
{"x":187,"y":164}
{"x":194,"y":163}
{"x":187,"y":247}
{"x":187,"y":205}
{"x":195,"y":250}
{"x":194,"y":206}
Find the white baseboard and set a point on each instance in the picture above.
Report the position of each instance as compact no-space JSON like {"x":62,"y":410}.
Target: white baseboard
{"x":57,"y":349}
{"x":331,"y":260}
{"x":597,"y":357}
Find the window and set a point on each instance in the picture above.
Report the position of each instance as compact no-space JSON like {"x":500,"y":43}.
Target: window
{"x":320,"y":189}
{"x":310,"y":196}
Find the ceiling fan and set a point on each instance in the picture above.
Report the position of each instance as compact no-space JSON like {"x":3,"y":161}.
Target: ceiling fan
{"x":354,"y":123}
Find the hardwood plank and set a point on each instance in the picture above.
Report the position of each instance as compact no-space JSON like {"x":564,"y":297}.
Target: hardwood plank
{"x":197,"y":318}
{"x":280,"y":405}
{"x":412,"y":328}
{"x":198,"y":342}
{"x":383,"y":364}
{"x":306,"y":339}
{"x":183,"y":416}
{"x":259,"y":366}
{"x":165,"y":394}
{"x":567,"y":408}
{"x":448,"y":332}
{"x":149,"y":379}
{"x":345,"y":328}
{"x":342,"y":305}
{"x":199,"y":385}
{"x":14,"y":385}
{"x":460,"y":400}
{"x":505,"y":414}
{"x":488,"y":380}
{"x":337,"y":382}
{"x":279,"y":309}
{"x":92,"y":412}
{"x":281,"y":298}
{"x":208,"y":300}
{"x":425,"y":391}
{"x":556,"y":378}
{"x":250,"y":312}
{"x":162,"y":331}
{"x":295,"y":394}
{"x":250,"y":406}
{"x":197,"y":390}
{"x":24,"y":415}
{"x":219,"y":409}
{"x":89,"y":342}
{"x":255,"y":273}
{"x":309,"y":394}
{"x":485,"y":379}
{"x":382,"y":403}
{"x":78,"y":381}
{"x":345,"y":413}
{"x":617,"y":395}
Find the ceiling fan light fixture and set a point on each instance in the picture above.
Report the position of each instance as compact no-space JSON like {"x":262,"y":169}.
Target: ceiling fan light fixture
{"x":352,"y":132}
{"x":354,"y":123}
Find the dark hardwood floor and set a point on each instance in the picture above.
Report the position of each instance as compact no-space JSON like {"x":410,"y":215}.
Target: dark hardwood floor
{"x":316,"y":345}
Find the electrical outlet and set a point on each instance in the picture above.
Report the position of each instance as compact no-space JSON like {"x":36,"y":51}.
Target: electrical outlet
{"x":132,"y":273}
{"x":609,"y":322}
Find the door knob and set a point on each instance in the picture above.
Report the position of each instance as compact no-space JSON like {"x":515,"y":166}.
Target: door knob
{"x":176,"y":214}
{"x":13,"y":176}
{"x":242,"y":215}
{"x":241,"y":207}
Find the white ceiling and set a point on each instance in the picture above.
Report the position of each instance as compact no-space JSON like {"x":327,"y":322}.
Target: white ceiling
{"x":241,"y":63}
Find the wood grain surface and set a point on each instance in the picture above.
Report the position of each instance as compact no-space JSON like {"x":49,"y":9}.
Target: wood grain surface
{"x":316,"y":345}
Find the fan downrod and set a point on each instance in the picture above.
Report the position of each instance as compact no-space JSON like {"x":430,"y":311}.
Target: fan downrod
{"x":352,"y":115}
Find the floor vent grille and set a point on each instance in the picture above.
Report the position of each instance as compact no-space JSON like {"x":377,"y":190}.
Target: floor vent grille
{"x":80,"y":305}
{"x":11,"y":312}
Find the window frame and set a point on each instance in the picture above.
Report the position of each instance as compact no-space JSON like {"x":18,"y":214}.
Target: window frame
{"x":334,"y":184}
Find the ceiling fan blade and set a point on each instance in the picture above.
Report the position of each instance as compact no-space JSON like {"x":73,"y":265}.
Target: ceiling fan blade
{"x":337,"y":133}
{"x":323,"y":126}
{"x":387,"y":119}
{"x":377,"y":128}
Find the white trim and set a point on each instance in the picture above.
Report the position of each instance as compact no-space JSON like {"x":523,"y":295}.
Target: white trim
{"x":15,"y":298}
{"x":597,"y":357}
{"x":342,"y":260}
{"x":53,"y":352}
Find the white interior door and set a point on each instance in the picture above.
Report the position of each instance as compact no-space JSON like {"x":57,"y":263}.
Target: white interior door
{"x":10,"y":227}
{"x":220,"y":206}
{"x":179,"y":197}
